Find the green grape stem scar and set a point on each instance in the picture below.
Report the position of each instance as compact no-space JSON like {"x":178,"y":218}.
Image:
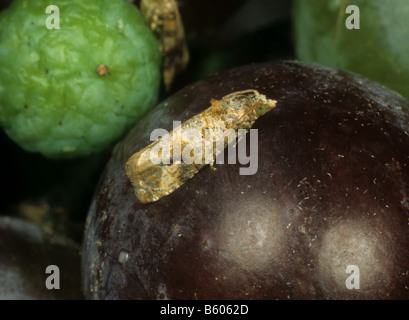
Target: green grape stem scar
{"x":174,"y":158}
{"x":102,"y":70}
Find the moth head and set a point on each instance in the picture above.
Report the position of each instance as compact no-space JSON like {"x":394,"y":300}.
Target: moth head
{"x":262,"y":108}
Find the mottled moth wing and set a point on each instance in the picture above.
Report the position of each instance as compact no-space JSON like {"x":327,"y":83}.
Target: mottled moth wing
{"x":153,"y":179}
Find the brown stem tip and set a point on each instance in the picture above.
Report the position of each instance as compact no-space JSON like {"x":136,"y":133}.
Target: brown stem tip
{"x":102,"y":70}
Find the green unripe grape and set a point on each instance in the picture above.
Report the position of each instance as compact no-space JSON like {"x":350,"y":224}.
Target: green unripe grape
{"x":71,"y":91}
{"x":377,"y":50}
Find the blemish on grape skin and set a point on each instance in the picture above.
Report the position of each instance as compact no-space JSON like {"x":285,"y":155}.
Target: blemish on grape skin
{"x":291,"y":212}
{"x":123,"y":256}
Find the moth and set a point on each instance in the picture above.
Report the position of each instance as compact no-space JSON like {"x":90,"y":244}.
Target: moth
{"x":153,"y":177}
